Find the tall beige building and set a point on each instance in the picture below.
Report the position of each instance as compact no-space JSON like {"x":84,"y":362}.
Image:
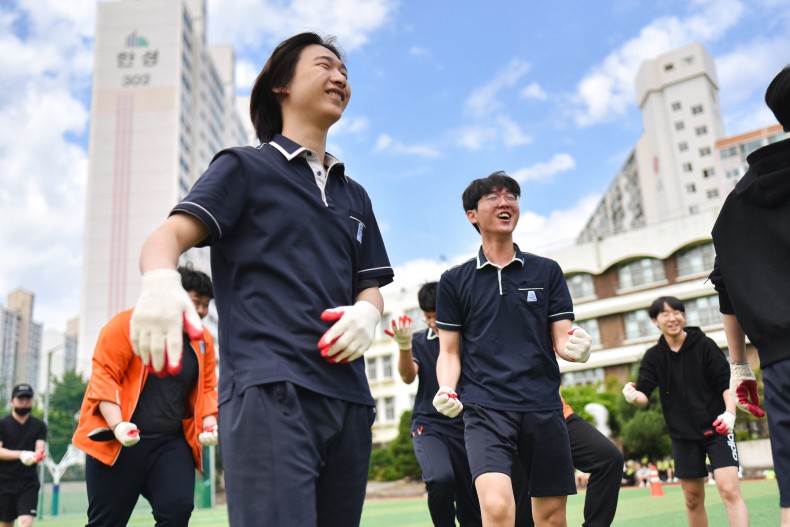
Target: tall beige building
{"x":163,"y":103}
{"x":20,"y":341}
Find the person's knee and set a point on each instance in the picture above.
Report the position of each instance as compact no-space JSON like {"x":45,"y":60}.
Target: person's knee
{"x":175,"y":511}
{"x":442,"y":485}
{"x":24,"y":521}
{"x":694,"y":498}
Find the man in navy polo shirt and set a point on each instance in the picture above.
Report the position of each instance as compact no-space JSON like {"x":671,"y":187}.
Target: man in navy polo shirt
{"x":438,"y":440}
{"x":297,"y":261}
{"x":502,"y":316}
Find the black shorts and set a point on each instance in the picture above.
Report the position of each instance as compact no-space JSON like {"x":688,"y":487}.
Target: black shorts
{"x":690,"y":455}
{"x":496,"y":438}
{"x":19,"y":501}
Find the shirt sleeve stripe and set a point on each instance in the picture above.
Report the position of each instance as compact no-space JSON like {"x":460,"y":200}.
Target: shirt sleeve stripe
{"x":211,"y":216}
{"x":560,"y":314}
{"x":373,"y":269}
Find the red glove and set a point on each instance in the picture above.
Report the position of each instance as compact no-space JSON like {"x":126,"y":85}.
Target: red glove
{"x":743,"y":388}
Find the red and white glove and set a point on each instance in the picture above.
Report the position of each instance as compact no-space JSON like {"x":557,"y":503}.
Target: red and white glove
{"x":578,"y":345}
{"x":352,"y":334}
{"x":401,"y":332}
{"x":725,"y":423}
{"x":209,"y":436}
{"x":127,"y":433}
{"x":446,"y":402}
{"x":29,"y":458}
{"x":162,"y":314}
{"x":743,"y":388}
{"x":630,"y":393}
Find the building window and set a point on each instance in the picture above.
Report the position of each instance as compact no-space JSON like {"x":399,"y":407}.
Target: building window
{"x":701,"y":130}
{"x":693,"y":209}
{"x":386,"y":366}
{"x":704,"y":151}
{"x":703,"y":311}
{"x":691,"y":188}
{"x":669,"y":67}
{"x":696,"y":109}
{"x":389,"y":409}
{"x":750,"y":147}
{"x":729,"y":152}
{"x":584,"y":377}
{"x":638,"y":325}
{"x":676,"y":106}
{"x":679,"y":126}
{"x":688,"y":60}
{"x":713,"y":193}
{"x":708,"y":172}
{"x":591,"y":327}
{"x":687,"y":167}
{"x":696,"y":260}
{"x":640,"y":272}
{"x":734,"y":173}
{"x":581,"y":286}
{"x":372,"y":367}
{"x":683,"y":146}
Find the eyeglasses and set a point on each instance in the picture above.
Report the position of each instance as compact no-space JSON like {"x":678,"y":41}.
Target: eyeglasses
{"x":494,"y":199}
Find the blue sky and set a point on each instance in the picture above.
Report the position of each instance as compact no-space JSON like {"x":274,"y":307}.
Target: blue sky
{"x":442,"y":92}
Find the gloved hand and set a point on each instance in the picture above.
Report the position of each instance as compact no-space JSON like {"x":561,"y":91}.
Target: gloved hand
{"x":401,"y":332}
{"x":162,"y":314}
{"x":127,"y":433}
{"x":725,"y":423}
{"x":28,"y":458}
{"x":743,"y":388}
{"x":209,"y":436}
{"x":352,"y":334}
{"x":446,"y":402}
{"x":578,"y":345}
{"x":630,"y":393}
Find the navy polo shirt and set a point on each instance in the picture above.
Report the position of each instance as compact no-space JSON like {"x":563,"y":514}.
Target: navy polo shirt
{"x":425,"y":351}
{"x":286,"y":243}
{"x":505,"y":316}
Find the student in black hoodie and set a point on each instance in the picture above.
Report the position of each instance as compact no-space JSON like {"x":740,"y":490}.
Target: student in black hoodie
{"x":692,"y":375}
{"x":752,"y":240}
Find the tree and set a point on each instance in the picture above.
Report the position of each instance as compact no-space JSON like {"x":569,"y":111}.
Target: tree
{"x":64,"y":405}
{"x":396,"y":460}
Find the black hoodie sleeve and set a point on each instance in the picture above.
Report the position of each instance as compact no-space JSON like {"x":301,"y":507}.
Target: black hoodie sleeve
{"x":716,"y":278}
{"x":647,"y":380}
{"x":718,"y":369}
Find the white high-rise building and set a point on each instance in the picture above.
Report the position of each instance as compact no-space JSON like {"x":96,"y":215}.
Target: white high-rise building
{"x":670,"y":171}
{"x":20,"y":341}
{"x":163,"y":104}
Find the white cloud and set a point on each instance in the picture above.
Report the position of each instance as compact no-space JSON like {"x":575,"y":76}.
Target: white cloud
{"x":545,"y":170}
{"x":511,"y":132}
{"x":537,"y":233}
{"x":417,"y":51}
{"x":474,"y":137}
{"x":533,"y":91}
{"x":350,"y":125}
{"x":746,"y":72}
{"x":246,"y":73}
{"x":258,"y":26}
{"x":385,"y":144}
{"x":484,"y":100}
{"x":606,"y":92}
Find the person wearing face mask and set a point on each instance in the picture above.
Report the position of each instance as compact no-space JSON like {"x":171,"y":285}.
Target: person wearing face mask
{"x":22,"y":443}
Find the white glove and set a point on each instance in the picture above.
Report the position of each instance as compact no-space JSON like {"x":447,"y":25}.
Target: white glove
{"x":743,"y":388}
{"x":401,"y":332}
{"x":209,"y":436}
{"x":352,"y":334}
{"x":127,"y":433}
{"x":725,"y":423}
{"x":446,"y":402}
{"x":578,"y":345}
{"x":163,"y":312}
{"x":28,"y":458}
{"x":630,"y":393}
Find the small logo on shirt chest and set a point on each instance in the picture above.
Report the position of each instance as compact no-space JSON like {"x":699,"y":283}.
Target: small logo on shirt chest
{"x":531,"y":296}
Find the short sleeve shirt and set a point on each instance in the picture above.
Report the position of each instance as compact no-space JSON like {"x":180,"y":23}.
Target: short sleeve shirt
{"x":425,"y":350}
{"x":504,"y":316}
{"x":283,"y":250}
{"x":16,"y":436}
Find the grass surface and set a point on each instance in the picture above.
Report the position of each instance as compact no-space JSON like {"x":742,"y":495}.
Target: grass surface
{"x":636,"y":507}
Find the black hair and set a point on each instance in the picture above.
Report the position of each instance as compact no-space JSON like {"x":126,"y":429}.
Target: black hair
{"x":658,"y":305}
{"x":426,"y":296}
{"x":777,"y":97}
{"x":196,"y":281}
{"x":265,"y":110}
{"x":480,"y":187}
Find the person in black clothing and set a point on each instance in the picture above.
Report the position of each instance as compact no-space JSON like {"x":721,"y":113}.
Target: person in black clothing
{"x":693,"y":378}
{"x":752,"y":241}
{"x":438,"y":440}
{"x":22,"y":443}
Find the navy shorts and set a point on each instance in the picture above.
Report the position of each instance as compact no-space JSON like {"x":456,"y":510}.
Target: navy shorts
{"x":293,"y":457}
{"x":776,"y":379}
{"x":690,"y":455}
{"x":495,"y":439}
{"x":21,"y":500}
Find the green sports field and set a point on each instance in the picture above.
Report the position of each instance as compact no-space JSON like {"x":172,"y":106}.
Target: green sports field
{"x":636,"y":508}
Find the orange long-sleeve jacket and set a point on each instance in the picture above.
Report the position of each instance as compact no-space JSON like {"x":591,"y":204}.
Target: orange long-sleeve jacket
{"x":118,"y":376}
